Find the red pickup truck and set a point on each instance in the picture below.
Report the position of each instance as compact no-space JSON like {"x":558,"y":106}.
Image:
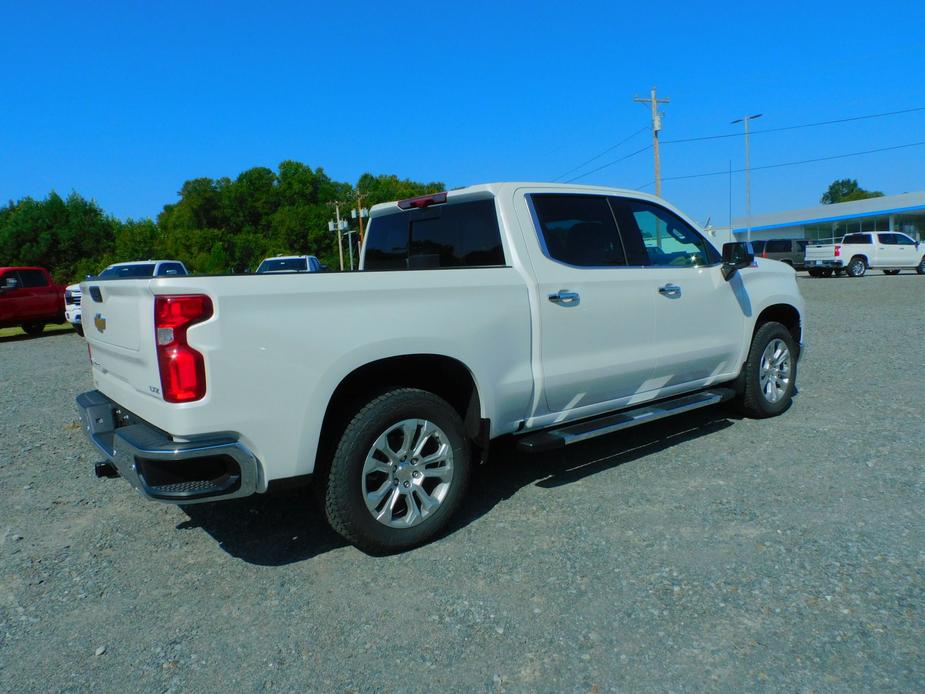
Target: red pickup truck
{"x":30,"y":299}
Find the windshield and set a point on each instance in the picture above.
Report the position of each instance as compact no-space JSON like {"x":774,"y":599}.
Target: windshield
{"x":127,"y":271}
{"x":283,"y":265}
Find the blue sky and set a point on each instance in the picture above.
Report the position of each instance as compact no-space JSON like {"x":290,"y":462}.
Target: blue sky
{"x":124,"y":101}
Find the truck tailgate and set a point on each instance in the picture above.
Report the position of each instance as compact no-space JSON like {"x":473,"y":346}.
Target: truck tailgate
{"x":118,"y":318}
{"x":820,"y":251}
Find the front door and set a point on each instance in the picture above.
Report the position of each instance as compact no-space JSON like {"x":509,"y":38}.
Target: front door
{"x":907,"y":252}
{"x":700,"y":318}
{"x":596,"y":313}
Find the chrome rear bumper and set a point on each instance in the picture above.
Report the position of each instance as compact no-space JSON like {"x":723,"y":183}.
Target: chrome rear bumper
{"x":208,"y":468}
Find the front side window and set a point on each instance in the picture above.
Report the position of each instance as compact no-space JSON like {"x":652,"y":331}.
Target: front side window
{"x":904,"y":240}
{"x":578,"y":230}
{"x":667,"y":239}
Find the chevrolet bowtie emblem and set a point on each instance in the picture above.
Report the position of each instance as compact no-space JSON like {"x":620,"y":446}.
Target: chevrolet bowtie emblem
{"x":99,"y":322}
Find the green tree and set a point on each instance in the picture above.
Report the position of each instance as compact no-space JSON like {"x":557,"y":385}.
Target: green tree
{"x":845,"y":190}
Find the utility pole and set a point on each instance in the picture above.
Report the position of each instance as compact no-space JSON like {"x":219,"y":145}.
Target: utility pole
{"x":748,"y":176}
{"x":338,"y":227}
{"x":653,"y":102}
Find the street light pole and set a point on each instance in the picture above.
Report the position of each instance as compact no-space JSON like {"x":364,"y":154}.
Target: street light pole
{"x":337,"y":227}
{"x":748,"y":176}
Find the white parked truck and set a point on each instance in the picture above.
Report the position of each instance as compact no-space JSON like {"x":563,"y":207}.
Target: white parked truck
{"x":889,"y":251}
{"x":548,"y":312}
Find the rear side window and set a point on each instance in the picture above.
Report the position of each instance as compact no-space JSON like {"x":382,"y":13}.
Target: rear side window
{"x":857,"y":238}
{"x":758,"y":247}
{"x":578,"y":230}
{"x":778,"y":246}
{"x":32,"y":278}
{"x":464,"y":234}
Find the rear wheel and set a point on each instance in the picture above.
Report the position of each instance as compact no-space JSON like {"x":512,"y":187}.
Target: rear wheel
{"x":920,"y":268}
{"x":815,"y":272}
{"x":33,"y":328}
{"x":827,"y":273}
{"x":891,"y":272}
{"x":857,"y":267}
{"x":79,"y":329}
{"x":769,"y":374}
{"x":399,"y":472}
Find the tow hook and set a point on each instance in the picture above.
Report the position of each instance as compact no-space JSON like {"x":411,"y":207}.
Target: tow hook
{"x":105,"y":470}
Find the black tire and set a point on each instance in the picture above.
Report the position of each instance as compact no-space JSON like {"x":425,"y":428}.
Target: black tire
{"x":343,"y":485}
{"x":753,"y":401}
{"x":857,"y":267}
{"x":891,"y":272}
{"x":33,"y":328}
{"x":79,"y":329}
{"x":920,"y":268}
{"x":815,"y":272}
{"x":839,"y":272}
{"x":827,"y":272}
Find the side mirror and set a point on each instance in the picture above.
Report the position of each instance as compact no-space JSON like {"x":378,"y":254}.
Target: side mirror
{"x":736,"y":255}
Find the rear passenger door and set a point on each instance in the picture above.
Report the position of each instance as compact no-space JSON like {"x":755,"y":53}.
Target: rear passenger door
{"x":596,"y":310}
{"x":700,"y":318}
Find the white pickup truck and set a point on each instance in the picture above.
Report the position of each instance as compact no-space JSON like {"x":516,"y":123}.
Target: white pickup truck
{"x":857,"y":253}
{"x":548,"y":312}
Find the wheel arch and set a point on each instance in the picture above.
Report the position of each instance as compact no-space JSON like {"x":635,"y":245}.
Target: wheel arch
{"x":441,"y":375}
{"x":787,"y":315}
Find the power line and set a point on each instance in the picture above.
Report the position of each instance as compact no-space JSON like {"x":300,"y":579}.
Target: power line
{"x":610,"y":163}
{"x":789,"y":163}
{"x":795,"y":127}
{"x":598,"y":156}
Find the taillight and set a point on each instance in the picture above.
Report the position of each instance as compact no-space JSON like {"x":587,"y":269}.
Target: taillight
{"x":764,"y":254}
{"x":183,"y":369}
{"x":837,"y":250}
{"x":423,"y":201}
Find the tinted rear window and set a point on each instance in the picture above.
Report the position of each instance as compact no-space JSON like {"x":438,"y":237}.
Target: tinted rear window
{"x":283,"y":265}
{"x":857,"y":238}
{"x":171,"y":269}
{"x":127,"y":271}
{"x":464,"y":234}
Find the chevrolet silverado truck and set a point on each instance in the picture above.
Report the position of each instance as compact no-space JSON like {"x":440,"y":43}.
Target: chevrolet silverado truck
{"x":890,"y":252}
{"x":30,"y":299}
{"x":546,"y":312}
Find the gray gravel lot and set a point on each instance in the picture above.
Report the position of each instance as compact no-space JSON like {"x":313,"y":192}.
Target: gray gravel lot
{"x":707,"y":552}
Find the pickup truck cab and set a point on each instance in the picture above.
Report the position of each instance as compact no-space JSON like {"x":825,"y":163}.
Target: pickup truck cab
{"x":136,"y":269}
{"x":890,"y":252}
{"x":30,"y":299}
{"x":551,"y":313}
{"x":289,"y":263}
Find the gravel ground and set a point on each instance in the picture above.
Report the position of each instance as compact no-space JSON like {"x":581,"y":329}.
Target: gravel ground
{"x":707,"y":552}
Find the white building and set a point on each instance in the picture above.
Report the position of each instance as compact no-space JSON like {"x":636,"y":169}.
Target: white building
{"x":905,"y":213}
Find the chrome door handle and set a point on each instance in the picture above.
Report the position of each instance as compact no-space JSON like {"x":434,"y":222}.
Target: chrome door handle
{"x":565,"y":298}
{"x":671,"y":290}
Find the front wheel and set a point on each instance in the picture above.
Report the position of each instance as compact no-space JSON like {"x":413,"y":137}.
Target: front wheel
{"x":399,"y":473}
{"x":769,"y":374}
{"x":79,"y":329}
{"x":857,"y":267}
{"x":33,"y":328}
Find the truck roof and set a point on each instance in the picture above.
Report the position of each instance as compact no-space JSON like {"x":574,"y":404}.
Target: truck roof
{"x":498,"y":188}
